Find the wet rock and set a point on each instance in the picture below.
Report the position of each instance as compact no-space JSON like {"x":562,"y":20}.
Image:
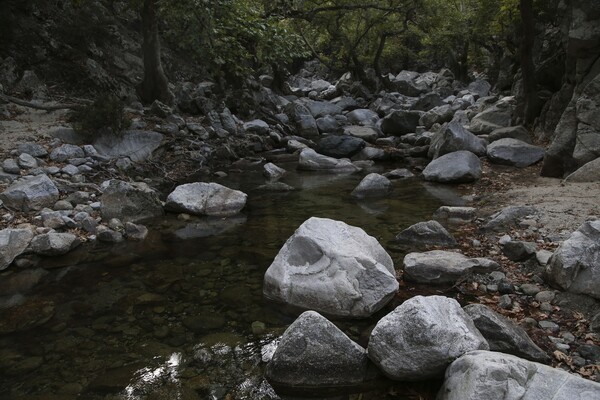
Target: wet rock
{"x":400,"y":122}
{"x":421,"y":337}
{"x":21,"y":281}
{"x":22,"y":317}
{"x":503,"y":335}
{"x":343,"y":146}
{"x":512,"y":132}
{"x":314,"y":353}
{"x":456,"y":167}
{"x":514,"y":152}
{"x":13,"y":243}
{"x":454,"y":215}
{"x":130,"y":202}
{"x":424,"y":234}
{"x":453,"y":137}
{"x":137,"y":145}
{"x":276,"y":187}
{"x":372,"y":185}
{"x":575,"y":265}
{"x":518,"y":250}
{"x":401,"y":173}
{"x":65,"y":152}
{"x":497,"y":376}
{"x":509,"y":216}
{"x":312,"y":161}
{"x":54,"y":243}
{"x":202,"y":198}
{"x":105,"y":234}
{"x":32,"y":193}
{"x":136,"y":232}
{"x":273,"y":172}
{"x":333,"y":268}
{"x":438,"y":266}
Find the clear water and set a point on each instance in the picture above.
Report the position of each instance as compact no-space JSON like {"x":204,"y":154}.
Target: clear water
{"x":172,"y":317}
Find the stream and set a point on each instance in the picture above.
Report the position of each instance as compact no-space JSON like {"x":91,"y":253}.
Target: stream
{"x":181,"y":315}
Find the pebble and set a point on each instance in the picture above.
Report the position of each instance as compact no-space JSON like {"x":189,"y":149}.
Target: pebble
{"x":52,"y":170}
{"x":505,"y":301}
{"x":62,"y":205}
{"x":492,"y":288}
{"x":529,"y":323}
{"x":530,"y":289}
{"x":543,"y":256}
{"x":546,"y":307}
{"x":505,"y":287}
{"x":504,"y":239}
{"x":545,"y":296}
{"x":27,"y":161}
{"x":497,"y":276}
{"x":70,"y":170}
{"x":568,"y":337}
{"x":562,"y":347}
{"x":549,"y":325}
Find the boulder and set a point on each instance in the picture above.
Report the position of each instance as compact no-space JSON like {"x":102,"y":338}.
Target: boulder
{"x":257,"y":126}
{"x":512,"y":132}
{"x":13,"y":243}
{"x":427,"y":101}
{"x":54,"y":243}
{"x":201,"y":198}
{"x":400,"y":122}
{"x":441,"y":267}
{"x":31,"y":193}
{"x":129,"y":202}
{"x":479,"y":87}
{"x":503,"y":335}
{"x":273,"y":172}
{"x":421,"y":337}
{"x":312,"y":161}
{"x":65,"y":152}
{"x":367,"y":133}
{"x":362,"y":116}
{"x":509,"y":216}
{"x":372,"y":185}
{"x":497,"y":376}
{"x":137,"y":145}
{"x":437,"y":115}
{"x":314,"y":353}
{"x":589,"y":172}
{"x":453,"y":137}
{"x":575,"y":265}
{"x":301,"y":118}
{"x":343,"y":146}
{"x":320,"y":109}
{"x":328,"y":124}
{"x":458,"y":167}
{"x":514,"y":152}
{"x":423,"y":234}
{"x":333,"y":268}
{"x":497,"y":116}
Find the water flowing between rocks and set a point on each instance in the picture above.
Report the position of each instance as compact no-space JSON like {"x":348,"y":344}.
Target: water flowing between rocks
{"x":183,"y":311}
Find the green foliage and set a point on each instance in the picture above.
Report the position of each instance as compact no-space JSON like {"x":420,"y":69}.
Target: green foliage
{"x":105,"y":115}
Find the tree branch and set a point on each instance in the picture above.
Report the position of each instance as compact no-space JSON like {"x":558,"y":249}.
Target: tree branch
{"x":45,"y":107}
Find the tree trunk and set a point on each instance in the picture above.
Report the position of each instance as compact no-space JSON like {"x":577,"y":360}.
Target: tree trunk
{"x":377,"y":58}
{"x":155,"y":85}
{"x":531,"y":106}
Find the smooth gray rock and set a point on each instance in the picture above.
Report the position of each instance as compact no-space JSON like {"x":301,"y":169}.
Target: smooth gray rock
{"x":13,"y":243}
{"x":514,"y":152}
{"x":137,"y":145}
{"x":257,"y":126}
{"x":497,"y":116}
{"x":66,"y":151}
{"x":457,"y":167}
{"x":455,"y":215}
{"x":27,"y":161}
{"x":54,"y":243}
{"x":11,"y":166}
{"x":423,"y":234}
{"x":328,"y":124}
{"x":201,"y":198}
{"x":479,"y":87}
{"x":509,"y":216}
{"x":310,"y":160}
{"x":512,"y":132}
{"x":363,"y":116}
{"x":273,"y":172}
{"x":108,"y":235}
{"x":575,"y":265}
{"x":589,"y":172}
{"x":453,"y":137}
{"x":517,"y":250}
{"x":440,"y":267}
{"x":333,"y":268}
{"x":372,"y":185}
{"x":32,"y":193}
{"x":496,"y":376}
{"x":314,"y":353}
{"x":135,"y":232}
{"x":401,"y":173}
{"x":343,"y":146}
{"x":367,"y":133}
{"x":400,"y":122}
{"x":503,"y":335}
{"x":129,"y":202}
{"x":31,"y":148}
{"x":421,"y":337}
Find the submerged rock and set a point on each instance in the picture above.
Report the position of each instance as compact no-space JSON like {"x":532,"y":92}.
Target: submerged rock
{"x":333,"y":268}
{"x":372,"y":185}
{"x":201,"y":198}
{"x":129,"y":202}
{"x":421,"y":337}
{"x":312,"y":161}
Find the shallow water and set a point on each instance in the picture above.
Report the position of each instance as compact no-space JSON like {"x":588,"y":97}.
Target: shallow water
{"x":181,"y":315}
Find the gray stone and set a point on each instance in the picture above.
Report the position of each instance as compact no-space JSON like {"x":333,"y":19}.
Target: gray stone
{"x":130,"y":202}
{"x":33,"y":193}
{"x":549,"y":326}
{"x":70,"y":169}
{"x":372,"y":185}
{"x":530,"y":289}
{"x":13,"y":243}
{"x":454,"y":215}
{"x":370,"y":154}
{"x":320,"y":109}
{"x":437,"y":115}
{"x":509,"y":216}
{"x":334,"y":268}
{"x":160,"y":109}
{"x":136,"y":232}
{"x":314,"y":353}
{"x":105,"y":234}
{"x":366,"y":133}
{"x":89,"y":224}
{"x":421,"y":337}
{"x":201,"y":198}
{"x":343,"y":146}
{"x":27,"y":161}
{"x":543,"y":256}
{"x":312,"y":161}
{"x":54,"y":244}
{"x":136,"y":145}
{"x":301,"y":118}
{"x":496,"y":376}
{"x":424,"y":234}
{"x":66,"y":151}
{"x":401,"y":173}
{"x":517,"y":250}
{"x":273,"y":172}
{"x":514,"y":152}
{"x":503,"y":335}
{"x":328,"y":124}
{"x":363,"y":116}
{"x":512,"y":132}
{"x":457,"y":167}
{"x":575,"y":265}
{"x":497,"y":116}
{"x":62,"y":205}
{"x":453,"y":137}
{"x":10,"y":166}
{"x":428,"y":101}
{"x":545,"y":296}
{"x":400,"y":122}
{"x":440,"y":267}
{"x":479,"y":87}
{"x":257,"y":126}
{"x":589,"y":172}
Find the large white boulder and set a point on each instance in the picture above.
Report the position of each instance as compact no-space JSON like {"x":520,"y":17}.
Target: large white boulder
{"x":201,"y":198}
{"x":333,"y":268}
